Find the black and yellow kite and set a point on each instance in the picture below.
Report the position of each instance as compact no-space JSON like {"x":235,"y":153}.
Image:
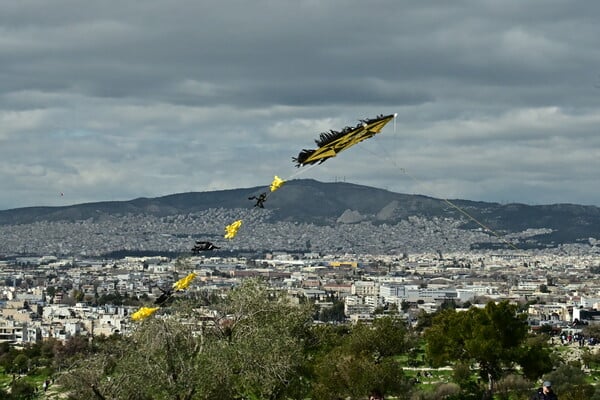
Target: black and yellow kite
{"x":180,"y":285}
{"x":332,"y":142}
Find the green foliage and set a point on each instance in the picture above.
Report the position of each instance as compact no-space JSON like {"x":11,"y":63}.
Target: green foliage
{"x":324,"y":338}
{"x":534,"y":357}
{"x":424,"y":320}
{"x":462,"y":375}
{"x":4,"y":348}
{"x":344,"y":375}
{"x":546,"y":329}
{"x":569,"y":383}
{"x":20,"y":363}
{"x":253,"y":347}
{"x":111,"y":298}
{"x":364,"y":360}
{"x":21,"y":390}
{"x":513,"y":386}
{"x":6,"y":360}
{"x":405,"y":306}
{"x":443,"y":391}
{"x":493,"y":337}
{"x":254,"y":343}
{"x":334,"y":313}
{"x":591,"y":330}
{"x":451,"y":304}
{"x":385,"y":337}
{"x":590,"y":359}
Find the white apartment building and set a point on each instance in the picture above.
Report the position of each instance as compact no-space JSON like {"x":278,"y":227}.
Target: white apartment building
{"x":365,"y":288}
{"x":394,"y":293}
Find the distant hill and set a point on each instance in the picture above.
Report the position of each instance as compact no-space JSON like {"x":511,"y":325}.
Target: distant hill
{"x":318,"y":203}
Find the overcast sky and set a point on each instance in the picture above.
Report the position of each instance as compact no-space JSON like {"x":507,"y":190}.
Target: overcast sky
{"x":113,"y":100}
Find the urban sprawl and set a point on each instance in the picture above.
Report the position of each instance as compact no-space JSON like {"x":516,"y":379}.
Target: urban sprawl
{"x":49,"y":296}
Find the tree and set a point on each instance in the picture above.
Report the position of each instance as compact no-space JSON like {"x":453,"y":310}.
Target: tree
{"x":590,"y":359}
{"x":333,"y":313}
{"x":345,"y":375}
{"x":261,"y":334}
{"x":448,"y":304}
{"x":405,"y":306}
{"x":364,"y":359}
{"x":591,"y":331}
{"x":493,"y":337}
{"x":50,"y":290}
{"x":249,"y":346}
{"x":546,"y":329}
{"x":424,"y":320}
{"x":20,"y":389}
{"x":463,"y":377}
{"x":535,"y":357}
{"x":570,"y":383}
{"x":513,"y":386}
{"x":6,"y":360}
{"x":20,"y":363}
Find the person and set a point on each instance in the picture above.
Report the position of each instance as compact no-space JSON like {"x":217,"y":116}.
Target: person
{"x":545,"y":392}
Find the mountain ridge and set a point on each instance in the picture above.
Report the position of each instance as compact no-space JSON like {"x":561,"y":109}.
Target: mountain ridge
{"x":330,"y":203}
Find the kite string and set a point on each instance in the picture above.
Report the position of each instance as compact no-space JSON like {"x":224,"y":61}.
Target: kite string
{"x":301,"y":171}
{"x":465,"y":213}
{"x":232,"y":228}
{"x":461,"y":210}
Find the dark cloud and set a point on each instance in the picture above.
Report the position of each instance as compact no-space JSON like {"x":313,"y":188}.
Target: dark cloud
{"x":496,"y":101}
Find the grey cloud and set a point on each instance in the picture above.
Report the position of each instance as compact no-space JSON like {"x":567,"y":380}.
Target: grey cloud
{"x":496,"y":101}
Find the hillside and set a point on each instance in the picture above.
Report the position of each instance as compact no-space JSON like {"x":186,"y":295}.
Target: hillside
{"x":327,"y":204}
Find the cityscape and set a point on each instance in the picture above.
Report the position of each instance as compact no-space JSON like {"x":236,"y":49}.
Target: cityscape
{"x":299,"y":200}
{"x":47,"y":296}
{"x":71,"y":280}
{"x":88,"y":270}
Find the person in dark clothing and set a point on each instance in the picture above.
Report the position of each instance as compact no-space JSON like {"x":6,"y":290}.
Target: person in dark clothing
{"x":545,"y":392}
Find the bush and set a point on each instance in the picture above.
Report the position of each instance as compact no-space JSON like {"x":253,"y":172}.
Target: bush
{"x":513,"y":385}
{"x":21,"y":390}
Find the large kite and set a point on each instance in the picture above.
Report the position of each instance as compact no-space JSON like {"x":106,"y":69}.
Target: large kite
{"x":332,"y":142}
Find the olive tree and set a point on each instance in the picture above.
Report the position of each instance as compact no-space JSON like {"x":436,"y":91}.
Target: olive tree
{"x":364,"y":358}
{"x":249,"y":344}
{"x":493,"y":338}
